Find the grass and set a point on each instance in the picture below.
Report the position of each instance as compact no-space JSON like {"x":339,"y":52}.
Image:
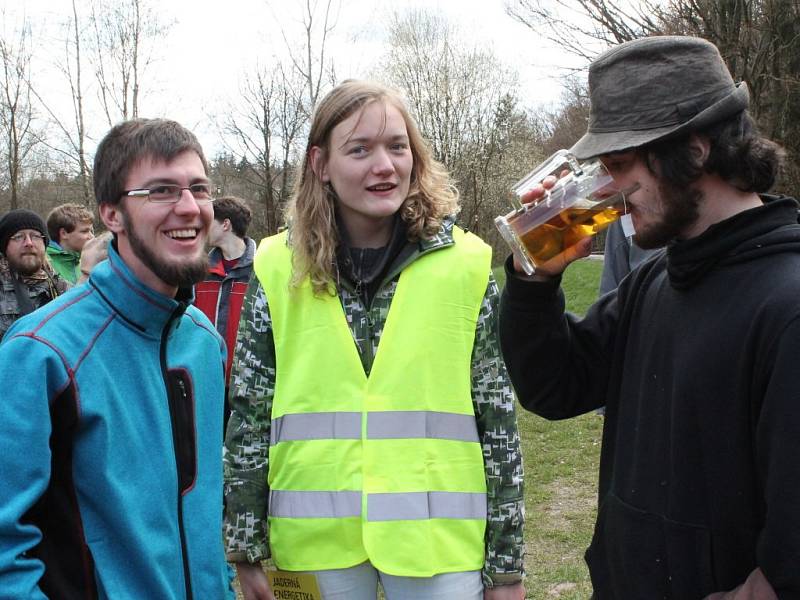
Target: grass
{"x":581,"y":282}
{"x":561,"y":465}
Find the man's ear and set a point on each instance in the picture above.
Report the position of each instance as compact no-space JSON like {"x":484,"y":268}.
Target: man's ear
{"x":61,"y":232}
{"x":699,"y":148}
{"x":112,"y":217}
{"x":319,"y":165}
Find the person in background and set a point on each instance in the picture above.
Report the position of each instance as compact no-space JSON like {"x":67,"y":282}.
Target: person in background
{"x":70,"y":226}
{"x":373,"y":433}
{"x":27,"y":281}
{"x":111,"y":420}
{"x":95,"y":251}
{"x":695,"y":353}
{"x":221,"y":293}
{"x":620,"y":256}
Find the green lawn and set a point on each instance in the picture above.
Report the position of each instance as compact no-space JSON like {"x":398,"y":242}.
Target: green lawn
{"x":561,"y":464}
{"x":581,"y":282}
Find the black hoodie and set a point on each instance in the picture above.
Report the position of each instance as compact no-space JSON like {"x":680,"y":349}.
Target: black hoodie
{"x":696,"y":358}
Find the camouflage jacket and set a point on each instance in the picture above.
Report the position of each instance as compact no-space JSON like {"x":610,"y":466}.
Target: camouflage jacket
{"x":42,"y":287}
{"x":251,"y":390}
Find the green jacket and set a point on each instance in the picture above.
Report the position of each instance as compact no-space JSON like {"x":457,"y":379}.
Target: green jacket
{"x":65,"y":262}
{"x":252,"y":386}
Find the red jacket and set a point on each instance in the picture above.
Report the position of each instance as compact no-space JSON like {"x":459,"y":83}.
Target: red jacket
{"x":221,"y":296}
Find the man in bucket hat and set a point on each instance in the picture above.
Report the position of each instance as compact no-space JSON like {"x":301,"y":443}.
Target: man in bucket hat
{"x":695,"y":354}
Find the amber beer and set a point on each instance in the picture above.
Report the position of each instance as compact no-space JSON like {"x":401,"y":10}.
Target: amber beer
{"x":583,"y":201}
{"x":566,"y":229}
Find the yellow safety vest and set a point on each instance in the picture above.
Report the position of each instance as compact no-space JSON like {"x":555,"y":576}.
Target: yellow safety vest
{"x":386,"y":468}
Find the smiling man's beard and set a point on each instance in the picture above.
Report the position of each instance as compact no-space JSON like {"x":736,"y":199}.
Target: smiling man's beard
{"x":680,"y":210}
{"x":180,"y":274}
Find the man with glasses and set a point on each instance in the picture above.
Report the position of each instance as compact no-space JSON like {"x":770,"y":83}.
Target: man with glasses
{"x":111,"y":417}
{"x":26,"y":279}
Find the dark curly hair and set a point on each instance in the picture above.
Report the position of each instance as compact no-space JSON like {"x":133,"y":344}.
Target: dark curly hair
{"x":738,"y":154}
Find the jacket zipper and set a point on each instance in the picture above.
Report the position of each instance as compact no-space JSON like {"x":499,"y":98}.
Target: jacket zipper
{"x":173,"y":418}
{"x":370,"y":342}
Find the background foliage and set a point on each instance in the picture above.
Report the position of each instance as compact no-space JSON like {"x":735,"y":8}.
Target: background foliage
{"x":466,"y":100}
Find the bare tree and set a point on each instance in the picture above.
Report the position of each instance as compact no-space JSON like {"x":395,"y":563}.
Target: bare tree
{"x":435,"y":75}
{"x":118,"y":37}
{"x":263,"y":128}
{"x":16,"y":110}
{"x":759,"y":40}
{"x":76,"y":89}
{"x":463,"y":99}
{"x":581,"y":27}
{"x":123,"y":32}
{"x":292,"y":119}
{"x":73,"y":129}
{"x":562,"y":126}
{"x":309,"y":58}
{"x":262,"y":131}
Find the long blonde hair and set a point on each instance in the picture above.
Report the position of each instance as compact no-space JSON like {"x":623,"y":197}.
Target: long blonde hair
{"x":314,"y":234}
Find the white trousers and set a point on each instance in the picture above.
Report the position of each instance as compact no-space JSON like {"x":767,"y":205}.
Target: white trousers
{"x":361,"y":583}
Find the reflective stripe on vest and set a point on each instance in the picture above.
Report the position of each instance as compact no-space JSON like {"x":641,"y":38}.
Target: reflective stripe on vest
{"x":409,"y":506}
{"x":380,"y":426}
{"x":386,"y":468}
{"x":316,"y":426}
{"x":426,"y":505}
{"x":314,"y":505}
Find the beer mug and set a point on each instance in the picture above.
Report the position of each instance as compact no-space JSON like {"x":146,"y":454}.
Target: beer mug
{"x":583,"y":201}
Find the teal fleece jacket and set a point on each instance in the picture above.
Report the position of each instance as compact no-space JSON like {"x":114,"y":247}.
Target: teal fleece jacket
{"x":111,"y":432}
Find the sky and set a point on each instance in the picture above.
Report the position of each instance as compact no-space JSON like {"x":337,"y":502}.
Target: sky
{"x":209,"y":44}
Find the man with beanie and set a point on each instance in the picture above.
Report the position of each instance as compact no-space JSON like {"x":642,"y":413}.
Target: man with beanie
{"x":26,"y":279}
{"x":695,"y":354}
{"x":111,"y":419}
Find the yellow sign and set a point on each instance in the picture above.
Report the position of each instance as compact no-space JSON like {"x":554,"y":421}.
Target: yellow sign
{"x":287,"y":585}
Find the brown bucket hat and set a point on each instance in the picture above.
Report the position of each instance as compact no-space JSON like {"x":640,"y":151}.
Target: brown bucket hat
{"x":657,"y":87}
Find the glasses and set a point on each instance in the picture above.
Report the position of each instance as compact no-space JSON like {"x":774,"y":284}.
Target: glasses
{"x":19,"y":238}
{"x":169,"y":194}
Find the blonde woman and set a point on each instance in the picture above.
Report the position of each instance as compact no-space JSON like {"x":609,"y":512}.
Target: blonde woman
{"x":373,"y":434}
